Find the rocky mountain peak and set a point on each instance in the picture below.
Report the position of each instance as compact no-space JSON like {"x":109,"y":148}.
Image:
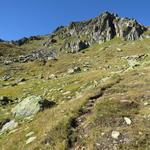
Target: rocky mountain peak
{"x":97,"y":30}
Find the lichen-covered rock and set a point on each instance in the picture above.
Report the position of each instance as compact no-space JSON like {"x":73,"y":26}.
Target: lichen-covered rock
{"x":9,"y":126}
{"x":30,"y":106}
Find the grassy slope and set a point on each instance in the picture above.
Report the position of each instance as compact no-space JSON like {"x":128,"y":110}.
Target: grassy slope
{"x":53,"y":125}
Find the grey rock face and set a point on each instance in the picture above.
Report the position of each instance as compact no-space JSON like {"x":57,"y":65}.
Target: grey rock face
{"x":43,"y":54}
{"x":78,"y":46}
{"x":100,"y":29}
{"x":128,"y":29}
{"x":30,"y":106}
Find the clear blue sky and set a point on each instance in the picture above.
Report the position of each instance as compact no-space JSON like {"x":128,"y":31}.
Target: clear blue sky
{"x":19,"y":18}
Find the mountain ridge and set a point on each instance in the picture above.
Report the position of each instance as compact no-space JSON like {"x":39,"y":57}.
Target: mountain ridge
{"x":82,"y":34}
{"x":80,"y":22}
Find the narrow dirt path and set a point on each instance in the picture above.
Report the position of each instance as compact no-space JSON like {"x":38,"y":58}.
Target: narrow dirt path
{"x":79,"y":129}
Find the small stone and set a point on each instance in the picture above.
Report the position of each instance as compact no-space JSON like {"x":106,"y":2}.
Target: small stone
{"x":115,"y":135}
{"x":74,"y":70}
{"x":98,"y":144}
{"x":102,"y":134}
{"x":146,"y":104}
{"x":119,"y":49}
{"x":67,"y":92}
{"x":52,"y":76}
{"x":30,"y":140}
{"x":29,"y":134}
{"x":127,"y":120}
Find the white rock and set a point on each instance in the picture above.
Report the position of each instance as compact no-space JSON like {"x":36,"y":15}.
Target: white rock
{"x":29,"y":134}
{"x":67,"y":92}
{"x":127,"y":120}
{"x":30,"y":140}
{"x":52,"y":76}
{"x":119,"y":49}
{"x":9,"y":126}
{"x":115,"y":135}
{"x":146,"y":103}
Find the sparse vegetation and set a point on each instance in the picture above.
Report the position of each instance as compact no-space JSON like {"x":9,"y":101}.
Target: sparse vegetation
{"x":89,"y":104}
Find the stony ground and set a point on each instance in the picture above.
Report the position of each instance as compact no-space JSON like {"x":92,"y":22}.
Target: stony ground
{"x":100,"y":97}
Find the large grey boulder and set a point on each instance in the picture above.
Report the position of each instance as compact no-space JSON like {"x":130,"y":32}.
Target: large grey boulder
{"x":30,"y":106}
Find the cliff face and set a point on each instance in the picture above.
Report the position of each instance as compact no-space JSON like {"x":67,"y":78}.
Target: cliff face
{"x":100,"y":29}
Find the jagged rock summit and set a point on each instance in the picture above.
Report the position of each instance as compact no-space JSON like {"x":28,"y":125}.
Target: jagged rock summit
{"x":100,"y":29}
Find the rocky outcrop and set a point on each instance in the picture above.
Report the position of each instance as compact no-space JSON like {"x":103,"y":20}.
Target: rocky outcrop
{"x":100,"y":29}
{"x":43,"y":54}
{"x":76,"y":46}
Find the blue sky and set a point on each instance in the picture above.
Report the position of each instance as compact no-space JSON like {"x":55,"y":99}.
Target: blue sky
{"x":19,"y":18}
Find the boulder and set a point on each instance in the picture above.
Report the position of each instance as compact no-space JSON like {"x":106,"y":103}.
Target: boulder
{"x":9,"y":126}
{"x":74,"y":70}
{"x":52,"y":76}
{"x":127,"y":120}
{"x":30,"y":106}
{"x":3,"y":122}
{"x":115,"y":135}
